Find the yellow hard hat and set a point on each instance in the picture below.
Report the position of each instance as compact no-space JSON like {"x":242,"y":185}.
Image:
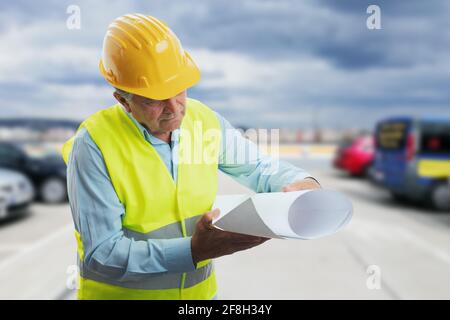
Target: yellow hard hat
{"x":141,"y":55}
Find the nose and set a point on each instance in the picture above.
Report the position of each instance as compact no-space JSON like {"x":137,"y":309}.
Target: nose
{"x":171,"y":105}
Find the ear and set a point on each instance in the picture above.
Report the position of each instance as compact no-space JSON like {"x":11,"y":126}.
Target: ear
{"x":122,"y":101}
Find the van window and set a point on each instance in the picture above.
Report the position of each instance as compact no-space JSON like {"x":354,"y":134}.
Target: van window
{"x":435,"y":138}
{"x":392,"y":135}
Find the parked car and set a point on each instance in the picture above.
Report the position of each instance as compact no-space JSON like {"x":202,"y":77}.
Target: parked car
{"x":16,"y":193}
{"x":47,"y":173}
{"x":3,"y":205}
{"x":412,"y":159}
{"x":355,"y":156}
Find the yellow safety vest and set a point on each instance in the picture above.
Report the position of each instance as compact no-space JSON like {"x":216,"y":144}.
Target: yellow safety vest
{"x":155,"y":206}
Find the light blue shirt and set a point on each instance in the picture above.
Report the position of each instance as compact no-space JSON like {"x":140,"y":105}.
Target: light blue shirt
{"x":97,"y":211}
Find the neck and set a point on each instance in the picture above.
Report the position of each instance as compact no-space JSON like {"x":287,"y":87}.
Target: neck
{"x":163,"y":136}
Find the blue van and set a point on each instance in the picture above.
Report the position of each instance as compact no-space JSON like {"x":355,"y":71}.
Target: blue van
{"x":412,"y":159}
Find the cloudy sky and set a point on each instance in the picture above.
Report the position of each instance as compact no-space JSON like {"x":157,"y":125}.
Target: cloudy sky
{"x":264,"y":63}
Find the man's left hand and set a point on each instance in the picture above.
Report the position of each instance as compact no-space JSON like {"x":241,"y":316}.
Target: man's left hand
{"x":305,"y":184}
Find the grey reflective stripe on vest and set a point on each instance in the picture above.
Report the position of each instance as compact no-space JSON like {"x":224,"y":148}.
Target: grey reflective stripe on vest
{"x":155,"y":282}
{"x":110,"y":276}
{"x":199,"y":275}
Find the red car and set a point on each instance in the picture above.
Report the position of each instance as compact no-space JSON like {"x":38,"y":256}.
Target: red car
{"x":355,"y":156}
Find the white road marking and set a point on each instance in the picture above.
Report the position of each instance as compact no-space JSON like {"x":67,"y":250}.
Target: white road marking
{"x":373,"y":230}
{"x":13,"y":247}
{"x":37,"y":245}
{"x":425,"y":245}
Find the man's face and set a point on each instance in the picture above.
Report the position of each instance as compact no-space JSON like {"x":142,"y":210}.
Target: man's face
{"x":158,"y":116}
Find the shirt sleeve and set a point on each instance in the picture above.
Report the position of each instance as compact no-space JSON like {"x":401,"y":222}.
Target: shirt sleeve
{"x":241,"y":159}
{"x":98,"y":213}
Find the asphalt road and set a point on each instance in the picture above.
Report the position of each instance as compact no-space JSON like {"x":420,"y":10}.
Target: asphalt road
{"x":389,"y":251}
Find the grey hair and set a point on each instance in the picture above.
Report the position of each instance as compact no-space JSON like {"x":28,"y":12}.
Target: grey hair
{"x":126,"y":95}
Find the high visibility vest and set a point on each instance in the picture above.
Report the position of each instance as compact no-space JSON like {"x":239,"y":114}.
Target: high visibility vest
{"x":155,"y":206}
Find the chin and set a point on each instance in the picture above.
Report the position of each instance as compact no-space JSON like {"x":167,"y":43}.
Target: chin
{"x":172,"y":125}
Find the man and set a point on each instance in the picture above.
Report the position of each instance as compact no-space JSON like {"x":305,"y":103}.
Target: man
{"x":140,"y":198}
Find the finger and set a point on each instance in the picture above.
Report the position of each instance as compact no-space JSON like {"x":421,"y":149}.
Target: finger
{"x":261,"y":240}
{"x":248,"y":240}
{"x":245,"y":246}
{"x":208,"y":218}
{"x":215,"y":213}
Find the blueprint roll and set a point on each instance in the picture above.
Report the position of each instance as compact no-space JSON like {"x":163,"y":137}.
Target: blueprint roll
{"x":306,"y":214}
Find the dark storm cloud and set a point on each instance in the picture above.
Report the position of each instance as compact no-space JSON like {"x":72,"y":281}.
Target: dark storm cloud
{"x":333,"y":60}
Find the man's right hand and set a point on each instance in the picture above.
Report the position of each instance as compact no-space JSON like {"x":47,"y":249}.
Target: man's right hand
{"x":208,"y":242}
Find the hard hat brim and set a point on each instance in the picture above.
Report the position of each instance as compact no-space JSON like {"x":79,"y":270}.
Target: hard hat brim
{"x":187,"y":77}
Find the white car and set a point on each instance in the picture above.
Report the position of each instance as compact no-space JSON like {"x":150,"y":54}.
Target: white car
{"x":16,"y":193}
